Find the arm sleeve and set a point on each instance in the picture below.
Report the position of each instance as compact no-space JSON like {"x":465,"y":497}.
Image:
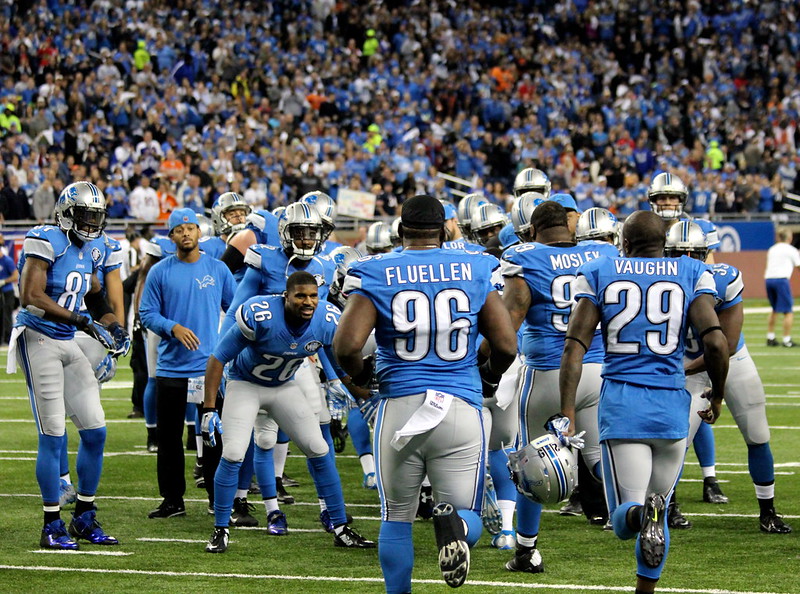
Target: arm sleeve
{"x":150,"y":307}
{"x":330,"y":368}
{"x":246,"y":289}
{"x":232,"y":258}
{"x":231,"y":344}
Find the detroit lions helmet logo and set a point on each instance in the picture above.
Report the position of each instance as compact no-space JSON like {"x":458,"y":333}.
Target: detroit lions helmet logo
{"x":320,"y":279}
{"x":207,"y":281}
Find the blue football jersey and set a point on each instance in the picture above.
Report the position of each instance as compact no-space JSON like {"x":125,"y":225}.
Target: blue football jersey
{"x":264,"y":349}
{"x":68,"y":279}
{"x":549,"y":271}
{"x":462,"y":244}
{"x":644,"y":305}
{"x":213,"y":246}
{"x":112,"y":260}
{"x":428,"y":303}
{"x":729,"y":284}
{"x":710,"y":229}
{"x":264,"y":226}
{"x":267,"y":269}
{"x":328,"y":246}
{"x":160,"y":246}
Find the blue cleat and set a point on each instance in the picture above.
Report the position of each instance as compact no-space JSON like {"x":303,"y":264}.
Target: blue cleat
{"x":54,"y":536}
{"x":276,"y":523}
{"x":327,"y":523}
{"x":66,"y":493}
{"x":87,"y":527}
{"x":505,"y":541}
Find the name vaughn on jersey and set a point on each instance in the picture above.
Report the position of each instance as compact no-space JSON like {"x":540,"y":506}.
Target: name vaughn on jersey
{"x":669,"y":268}
{"x":428,"y":273}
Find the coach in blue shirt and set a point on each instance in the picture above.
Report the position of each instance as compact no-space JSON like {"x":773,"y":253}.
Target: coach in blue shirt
{"x":181,"y":303}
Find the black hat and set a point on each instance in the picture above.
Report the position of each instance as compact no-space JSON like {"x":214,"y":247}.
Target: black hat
{"x":422,"y":212}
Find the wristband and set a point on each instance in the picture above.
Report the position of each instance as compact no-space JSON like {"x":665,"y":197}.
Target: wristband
{"x":710,"y":329}
{"x":79,"y":321}
{"x":579,"y":341}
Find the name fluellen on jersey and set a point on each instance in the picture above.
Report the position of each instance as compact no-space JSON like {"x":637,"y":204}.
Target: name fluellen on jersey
{"x":572,"y":259}
{"x":428,"y":273}
{"x":648,"y":268}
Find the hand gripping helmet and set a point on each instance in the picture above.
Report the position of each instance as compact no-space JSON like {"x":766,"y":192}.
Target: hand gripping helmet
{"x":206,"y":227}
{"x":486,"y":217}
{"x":224,"y":204}
{"x":686,"y":238}
{"x":466,"y":207}
{"x":598,"y":224}
{"x":342,"y":256}
{"x":666,"y":184}
{"x":544,"y":471}
{"x":300,"y":221}
{"x":532,"y":180}
{"x":81,"y":208}
{"x":326,"y":208}
{"x":521,"y":213}
{"x":379,"y":238}
{"x":394,"y":233}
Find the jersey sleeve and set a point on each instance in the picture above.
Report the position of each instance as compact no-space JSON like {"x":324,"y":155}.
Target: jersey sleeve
{"x":733,"y":289}
{"x":253,"y":257}
{"x":39,"y":247}
{"x":247,"y":288}
{"x":705,"y":284}
{"x":114,"y":257}
{"x":230,"y":344}
{"x":244,"y":322}
{"x":510,"y":265}
{"x":151,"y":248}
{"x":586,"y":285}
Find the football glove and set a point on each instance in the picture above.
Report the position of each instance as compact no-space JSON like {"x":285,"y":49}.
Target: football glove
{"x":369,"y":408}
{"x":489,"y":380}
{"x":558,"y":425}
{"x":122,"y":340}
{"x":365,"y":378}
{"x":338,"y":398}
{"x":106,"y":369}
{"x":210,"y":426}
{"x":99,"y":332}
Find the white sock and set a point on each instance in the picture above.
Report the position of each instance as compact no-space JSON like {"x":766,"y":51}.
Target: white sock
{"x":787,"y":339}
{"x":279,"y":454}
{"x":765,"y":491}
{"x":322,"y":505}
{"x":198,"y":439}
{"x":507,"y":507}
{"x":527,"y":541}
{"x":367,"y":463}
{"x":709,"y":471}
{"x":770,"y":336}
{"x":271,"y":504}
{"x":65,"y":477}
{"x":241,"y":493}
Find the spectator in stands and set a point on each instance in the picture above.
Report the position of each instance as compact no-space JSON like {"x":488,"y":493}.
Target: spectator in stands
{"x":143,"y":201}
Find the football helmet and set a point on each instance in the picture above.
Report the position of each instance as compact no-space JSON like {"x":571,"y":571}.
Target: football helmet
{"x":521,"y":213}
{"x":278,"y":211}
{"x":301,"y":222}
{"x":666,"y":184}
{"x":379,"y":238}
{"x":343,"y":257}
{"x":598,"y":224}
{"x":466,"y":207}
{"x":487,"y":217}
{"x":81,"y":208}
{"x":224,"y":204}
{"x":206,"y":226}
{"x":532,"y":180}
{"x":686,"y":238}
{"x":544,"y":471}
{"x":326,"y":208}
{"x":394,"y":233}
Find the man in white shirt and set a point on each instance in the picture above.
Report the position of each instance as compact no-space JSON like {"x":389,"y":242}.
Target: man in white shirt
{"x":782,"y":259}
{"x":143,"y":201}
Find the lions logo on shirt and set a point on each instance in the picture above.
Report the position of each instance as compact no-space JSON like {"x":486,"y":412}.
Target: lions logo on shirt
{"x":208,"y":281}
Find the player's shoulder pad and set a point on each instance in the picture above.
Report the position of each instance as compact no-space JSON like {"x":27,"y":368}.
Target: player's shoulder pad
{"x":253,"y":312}
{"x":45,"y":242}
{"x":255,"y":254}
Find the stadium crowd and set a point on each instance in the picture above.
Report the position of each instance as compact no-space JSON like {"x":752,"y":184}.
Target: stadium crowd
{"x":170,"y":104}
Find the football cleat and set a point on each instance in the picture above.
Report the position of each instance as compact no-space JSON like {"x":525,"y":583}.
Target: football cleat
{"x":526,"y":559}
{"x":55,"y":536}
{"x":241,"y":516}
{"x":652,"y":540}
{"x":425,"y":506}
{"x":167,"y":510}
{"x":327,"y":523}
{"x":283,"y":495}
{"x":490,"y":514}
{"x":370,"y":482}
{"x":772,"y":342}
{"x":289,"y":481}
{"x":788,"y":343}
{"x":504,"y":541}
{"x":218,"y":543}
{"x":66,"y":493}
{"x":452,"y":543}
{"x":276,"y":523}
{"x":87,"y":527}
{"x":675,"y":519}
{"x":349,"y":538}
{"x":712,"y":492}
{"x":772,"y":523}
{"x":254,"y":489}
{"x":573,"y":506}
{"x":197,"y":473}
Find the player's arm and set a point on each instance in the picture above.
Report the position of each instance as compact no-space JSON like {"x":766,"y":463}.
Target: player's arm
{"x":148,"y":262}
{"x":34,"y":298}
{"x":247,"y":288}
{"x":582,"y":323}
{"x":494,"y":323}
{"x":357,"y":321}
{"x":731,"y":321}
{"x":230,"y":345}
{"x":517,"y":300}
{"x":715,"y":348}
{"x":238,"y":245}
{"x":114,"y":294}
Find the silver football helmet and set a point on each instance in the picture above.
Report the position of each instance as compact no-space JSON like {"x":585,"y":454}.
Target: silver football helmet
{"x":300,"y":222}
{"x":81,"y":208}
{"x":466,"y":207}
{"x":666,"y":184}
{"x":343,"y":257}
{"x":598,"y":224}
{"x":521,"y":213}
{"x":326,"y":208}
{"x":222,"y":206}
{"x":532,"y":180}
{"x":379,"y":238}
{"x":544,"y":471}
{"x":206,"y":226}
{"x":686,"y":238}
{"x":486,"y":218}
{"x":278,"y":211}
{"x":394,"y":233}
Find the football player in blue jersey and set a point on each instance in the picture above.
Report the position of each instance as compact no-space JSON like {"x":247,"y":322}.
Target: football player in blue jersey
{"x":272,"y":338}
{"x":59,"y":264}
{"x":427,"y":306}
{"x":744,"y":395}
{"x":597,"y":224}
{"x":326,"y":207}
{"x":538,"y":279}
{"x":261,"y":228}
{"x":643,"y":302}
{"x":181,"y":303}
{"x":486,"y":223}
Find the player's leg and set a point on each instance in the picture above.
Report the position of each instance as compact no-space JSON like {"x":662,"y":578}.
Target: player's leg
{"x":358,"y":429}
{"x":170,"y":461}
{"x":241,"y":515}
{"x":265,"y":436}
{"x":151,"y":340}
{"x":591,"y":494}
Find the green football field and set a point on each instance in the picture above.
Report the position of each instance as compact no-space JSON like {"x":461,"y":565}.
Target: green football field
{"x":724,"y":551}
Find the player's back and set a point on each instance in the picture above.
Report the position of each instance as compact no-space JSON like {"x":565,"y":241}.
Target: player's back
{"x":548,"y":272}
{"x":644,"y":305}
{"x":427,"y":303}
{"x":462,"y":244}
